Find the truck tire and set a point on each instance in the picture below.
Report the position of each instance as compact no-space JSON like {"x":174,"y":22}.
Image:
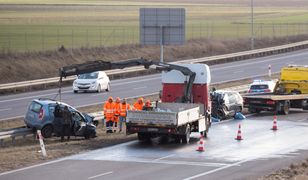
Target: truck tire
{"x":253,"y":110}
{"x":186,"y":137}
{"x":285,"y":108}
{"x":143,"y":137}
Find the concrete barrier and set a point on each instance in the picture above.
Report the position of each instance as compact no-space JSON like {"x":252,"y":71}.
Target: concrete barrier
{"x":137,"y":71}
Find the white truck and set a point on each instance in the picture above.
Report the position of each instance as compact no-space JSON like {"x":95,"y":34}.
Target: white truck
{"x":170,"y":119}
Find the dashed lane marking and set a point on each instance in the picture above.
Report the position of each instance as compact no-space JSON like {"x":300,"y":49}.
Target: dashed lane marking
{"x":99,"y":175}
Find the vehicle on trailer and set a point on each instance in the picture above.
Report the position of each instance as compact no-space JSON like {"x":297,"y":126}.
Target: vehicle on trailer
{"x":226,"y":103}
{"x":40,"y":115}
{"x":185,"y":105}
{"x":260,"y":86}
{"x":94,"y":81}
{"x":291,"y":91}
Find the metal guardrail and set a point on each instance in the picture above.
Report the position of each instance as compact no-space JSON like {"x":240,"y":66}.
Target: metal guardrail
{"x":14,"y":133}
{"x":135,"y":70}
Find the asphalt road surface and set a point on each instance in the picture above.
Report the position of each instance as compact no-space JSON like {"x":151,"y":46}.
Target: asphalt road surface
{"x":12,"y":106}
{"x":259,"y":153}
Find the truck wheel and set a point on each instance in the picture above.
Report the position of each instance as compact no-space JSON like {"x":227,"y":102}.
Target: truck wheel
{"x":47,"y":131}
{"x":253,"y":110}
{"x":186,"y":137}
{"x":143,"y":137}
{"x":286,"y":108}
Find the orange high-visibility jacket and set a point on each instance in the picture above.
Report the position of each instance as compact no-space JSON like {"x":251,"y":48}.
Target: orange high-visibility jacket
{"x":117,"y":111}
{"x":109,"y":111}
{"x":138,"y":106}
{"x":124,"y":108}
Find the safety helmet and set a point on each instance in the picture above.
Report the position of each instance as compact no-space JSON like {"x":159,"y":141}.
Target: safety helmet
{"x":148,"y":103}
{"x":118,"y":100}
{"x":110,"y":98}
{"x":140,"y":100}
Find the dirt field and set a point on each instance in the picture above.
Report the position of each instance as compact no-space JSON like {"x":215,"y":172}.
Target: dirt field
{"x":297,"y":171}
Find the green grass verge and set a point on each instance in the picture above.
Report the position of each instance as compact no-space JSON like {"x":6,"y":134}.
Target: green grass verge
{"x":48,"y":24}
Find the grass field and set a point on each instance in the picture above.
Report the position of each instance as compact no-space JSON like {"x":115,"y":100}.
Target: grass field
{"x":28,"y":25}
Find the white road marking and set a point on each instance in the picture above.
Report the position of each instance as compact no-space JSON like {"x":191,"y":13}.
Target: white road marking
{"x":15,"y":117}
{"x":116,"y":84}
{"x":143,"y":87}
{"x":236,"y":72}
{"x":7,"y":109}
{"x":129,"y":82}
{"x":217,"y":169}
{"x":31,"y":97}
{"x":163,"y":157}
{"x":34,"y":166}
{"x":257,"y":62}
{"x":99,"y":175}
{"x":99,"y":94}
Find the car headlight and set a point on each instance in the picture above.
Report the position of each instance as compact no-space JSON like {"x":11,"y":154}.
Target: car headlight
{"x":94,"y":82}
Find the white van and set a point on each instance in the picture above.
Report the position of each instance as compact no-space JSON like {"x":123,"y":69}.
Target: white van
{"x":95,"y":81}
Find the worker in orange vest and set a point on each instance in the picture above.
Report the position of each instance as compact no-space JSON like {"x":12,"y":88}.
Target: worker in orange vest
{"x":139,"y":104}
{"x":117,"y":110}
{"x":109,"y":114}
{"x":148,"y":106}
{"x":124,"y":106}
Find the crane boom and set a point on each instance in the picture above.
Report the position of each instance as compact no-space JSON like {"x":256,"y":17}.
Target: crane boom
{"x":98,"y":65}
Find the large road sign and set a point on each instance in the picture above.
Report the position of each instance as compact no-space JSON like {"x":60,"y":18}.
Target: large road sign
{"x":162,"y":26}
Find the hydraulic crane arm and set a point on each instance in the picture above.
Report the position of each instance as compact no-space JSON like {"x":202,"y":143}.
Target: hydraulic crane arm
{"x":93,"y":66}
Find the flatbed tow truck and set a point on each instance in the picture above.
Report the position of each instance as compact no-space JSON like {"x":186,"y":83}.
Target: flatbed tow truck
{"x":291,"y":91}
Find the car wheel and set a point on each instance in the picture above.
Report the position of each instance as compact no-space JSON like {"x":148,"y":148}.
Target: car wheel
{"x":47,"y":131}
{"x":108,"y":87}
{"x":286,"y":108}
{"x":99,"y":88}
{"x":75,"y":91}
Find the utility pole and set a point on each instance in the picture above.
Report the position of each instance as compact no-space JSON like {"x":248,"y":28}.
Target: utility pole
{"x":252,"y":28}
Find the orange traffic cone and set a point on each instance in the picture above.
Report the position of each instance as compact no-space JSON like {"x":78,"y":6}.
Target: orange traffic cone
{"x":239,"y":133}
{"x":200,"y":145}
{"x":274,"y":128}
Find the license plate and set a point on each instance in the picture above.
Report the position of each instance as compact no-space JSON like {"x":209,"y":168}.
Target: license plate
{"x":152,"y":129}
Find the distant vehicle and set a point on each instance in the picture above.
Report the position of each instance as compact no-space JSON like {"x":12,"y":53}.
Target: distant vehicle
{"x":226,"y":103}
{"x":260,"y":86}
{"x":40,"y":115}
{"x":95,"y":81}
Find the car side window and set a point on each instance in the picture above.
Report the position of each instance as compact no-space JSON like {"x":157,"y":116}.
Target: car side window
{"x":51,"y":110}
{"x":35,"y":107}
{"x":76,"y":116}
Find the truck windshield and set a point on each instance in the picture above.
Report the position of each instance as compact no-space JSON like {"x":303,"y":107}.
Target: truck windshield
{"x":88,"y":76}
{"x":263,"y":86}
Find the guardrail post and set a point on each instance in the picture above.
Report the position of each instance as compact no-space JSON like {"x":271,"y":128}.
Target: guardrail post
{"x":1,"y":142}
{"x":13,"y":140}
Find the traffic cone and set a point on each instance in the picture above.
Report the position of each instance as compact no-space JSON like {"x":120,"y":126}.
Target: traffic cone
{"x":200,"y":145}
{"x":239,"y":133}
{"x":274,"y":128}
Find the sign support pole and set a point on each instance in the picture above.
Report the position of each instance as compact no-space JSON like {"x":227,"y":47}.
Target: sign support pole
{"x":161,"y":44}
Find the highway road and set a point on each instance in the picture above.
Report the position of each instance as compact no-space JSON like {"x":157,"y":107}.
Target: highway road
{"x":12,"y":106}
{"x":259,"y":153}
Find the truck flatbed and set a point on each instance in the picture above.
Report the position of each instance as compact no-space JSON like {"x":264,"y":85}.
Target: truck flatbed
{"x":276,"y":97}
